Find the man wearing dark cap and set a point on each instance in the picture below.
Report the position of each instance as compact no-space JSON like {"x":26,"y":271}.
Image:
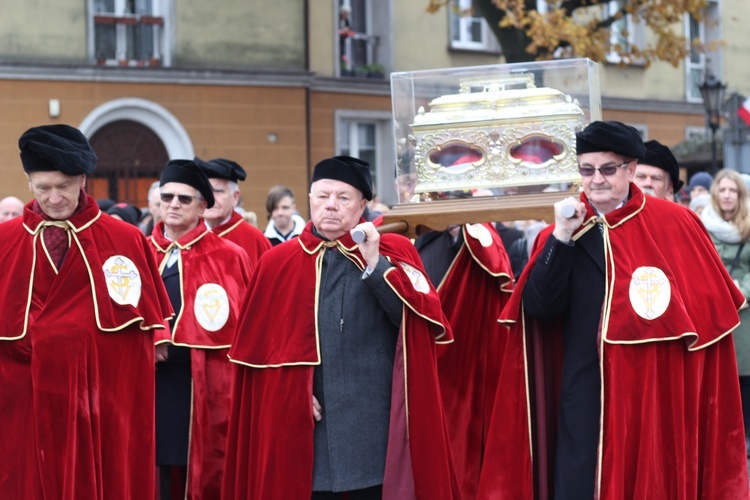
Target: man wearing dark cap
{"x":634,"y":345}
{"x":125,"y":212}
{"x":222,"y":218}
{"x":336,"y":390}
{"x":206,"y":278}
{"x":82,"y":303}
{"x":658,"y":174}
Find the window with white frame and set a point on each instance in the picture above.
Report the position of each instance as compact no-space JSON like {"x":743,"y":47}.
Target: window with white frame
{"x":368,"y":135}
{"x":129,"y":32}
{"x":699,"y":34}
{"x":624,"y":33}
{"x":469,"y":31}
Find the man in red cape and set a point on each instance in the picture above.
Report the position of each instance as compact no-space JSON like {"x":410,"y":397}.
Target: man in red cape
{"x":632,"y":344}
{"x":206,"y":278}
{"x":328,"y":397}
{"x":82,"y":300}
{"x":484,"y":369}
{"x":222,"y":218}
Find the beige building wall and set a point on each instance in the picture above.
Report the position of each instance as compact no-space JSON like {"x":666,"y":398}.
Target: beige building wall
{"x":43,"y":31}
{"x":736,"y":35}
{"x":422,"y":41}
{"x":239,"y":34}
{"x":323,"y":38}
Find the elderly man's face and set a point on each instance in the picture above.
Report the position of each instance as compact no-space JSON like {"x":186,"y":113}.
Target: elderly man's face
{"x":154,"y":204}
{"x":335,"y":207}
{"x":654,"y":181}
{"x":226,"y":197}
{"x":10,"y":208}
{"x":605,"y":192}
{"x":56,"y":192}
{"x":181,"y":207}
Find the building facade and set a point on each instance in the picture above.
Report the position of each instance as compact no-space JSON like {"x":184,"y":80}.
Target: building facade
{"x":277,"y":86}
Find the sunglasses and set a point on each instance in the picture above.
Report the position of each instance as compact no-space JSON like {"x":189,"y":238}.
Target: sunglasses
{"x":605,"y":170}
{"x":184,"y":199}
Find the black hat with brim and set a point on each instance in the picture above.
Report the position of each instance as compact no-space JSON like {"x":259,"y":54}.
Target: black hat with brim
{"x":56,"y":147}
{"x":188,"y":172}
{"x":221,"y":168}
{"x":610,"y":136}
{"x":352,"y":171}
{"x":660,"y":156}
{"x":128,"y":213}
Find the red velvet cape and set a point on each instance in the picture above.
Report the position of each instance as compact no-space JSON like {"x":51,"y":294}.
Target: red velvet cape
{"x":77,"y":368}
{"x":206,"y":258}
{"x":270,"y":450}
{"x":484,"y":369}
{"x":244,"y":235}
{"x":671,"y":414}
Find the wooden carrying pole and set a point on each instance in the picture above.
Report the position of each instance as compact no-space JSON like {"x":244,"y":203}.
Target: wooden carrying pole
{"x":405,"y":218}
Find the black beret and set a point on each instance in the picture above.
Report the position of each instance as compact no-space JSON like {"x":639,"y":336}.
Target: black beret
{"x":353,"y":171}
{"x":610,"y":136}
{"x":220,"y":168}
{"x":187,"y":172}
{"x":128,"y":213}
{"x":659,"y":155}
{"x":105,"y":204}
{"x":56,"y":147}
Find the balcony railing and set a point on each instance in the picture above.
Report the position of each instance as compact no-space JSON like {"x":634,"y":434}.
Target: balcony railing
{"x":128,"y":40}
{"x":359,"y":53}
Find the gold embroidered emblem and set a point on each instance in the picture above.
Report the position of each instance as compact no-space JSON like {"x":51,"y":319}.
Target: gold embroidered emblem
{"x":481,"y":233}
{"x":418,"y":280}
{"x":650,"y":292}
{"x":211,"y":306}
{"x":123,"y":280}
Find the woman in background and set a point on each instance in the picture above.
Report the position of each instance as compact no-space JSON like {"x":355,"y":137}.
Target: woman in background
{"x":727,"y":219}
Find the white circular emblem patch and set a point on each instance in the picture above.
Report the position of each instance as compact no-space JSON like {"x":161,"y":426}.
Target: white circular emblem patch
{"x":211,"y":306}
{"x":418,"y":280}
{"x":123,"y":280}
{"x":481,"y":233}
{"x":650,"y":292}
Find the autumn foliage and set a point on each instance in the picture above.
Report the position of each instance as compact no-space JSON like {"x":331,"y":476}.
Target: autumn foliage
{"x":581,"y":28}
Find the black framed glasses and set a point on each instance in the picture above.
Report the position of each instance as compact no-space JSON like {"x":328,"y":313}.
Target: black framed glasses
{"x":606,"y":170}
{"x":184,"y":199}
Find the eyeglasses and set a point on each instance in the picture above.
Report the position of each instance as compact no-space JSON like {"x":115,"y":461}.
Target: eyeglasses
{"x":184,"y":199}
{"x":605,"y":170}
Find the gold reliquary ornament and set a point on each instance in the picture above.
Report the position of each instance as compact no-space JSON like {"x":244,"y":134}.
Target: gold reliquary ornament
{"x":487,"y":143}
{"x":498,"y":131}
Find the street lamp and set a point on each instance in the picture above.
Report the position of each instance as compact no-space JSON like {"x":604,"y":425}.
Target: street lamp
{"x":712,"y":91}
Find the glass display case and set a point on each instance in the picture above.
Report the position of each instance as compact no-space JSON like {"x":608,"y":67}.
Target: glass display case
{"x":496,"y":128}
{"x":490,"y":133}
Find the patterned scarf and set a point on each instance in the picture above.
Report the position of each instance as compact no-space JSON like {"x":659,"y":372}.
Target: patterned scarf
{"x":55,"y":238}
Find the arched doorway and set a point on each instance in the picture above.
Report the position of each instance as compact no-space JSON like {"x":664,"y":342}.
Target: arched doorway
{"x":131,"y":157}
